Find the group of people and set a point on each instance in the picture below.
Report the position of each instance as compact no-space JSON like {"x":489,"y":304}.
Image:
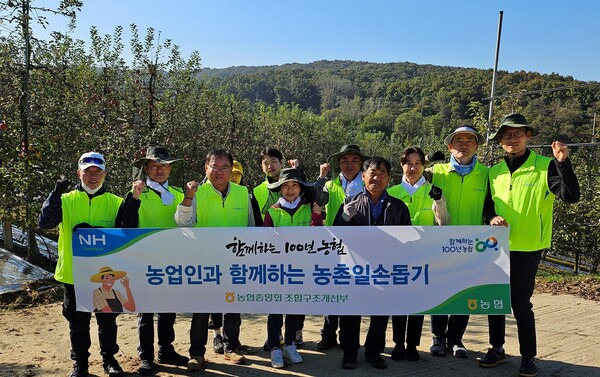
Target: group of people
{"x":519,"y":192}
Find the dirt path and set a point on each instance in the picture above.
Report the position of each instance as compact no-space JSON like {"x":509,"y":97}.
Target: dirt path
{"x":35,"y":342}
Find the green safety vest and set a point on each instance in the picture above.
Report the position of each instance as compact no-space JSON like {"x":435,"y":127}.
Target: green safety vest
{"x":302,"y":216}
{"x":465,"y":195}
{"x":153,"y":213}
{"x":525,"y":201}
{"x":265,"y":197}
{"x":420,"y":204}
{"x":77,"y":208}
{"x":213,"y":211}
{"x":336,"y":199}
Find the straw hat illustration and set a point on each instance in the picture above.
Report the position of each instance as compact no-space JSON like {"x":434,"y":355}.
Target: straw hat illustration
{"x":97,"y":278}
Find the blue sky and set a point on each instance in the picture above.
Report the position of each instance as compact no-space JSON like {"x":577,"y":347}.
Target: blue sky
{"x":543,"y":36}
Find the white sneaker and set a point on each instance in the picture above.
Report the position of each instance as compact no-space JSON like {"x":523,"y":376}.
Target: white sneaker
{"x":291,"y":353}
{"x":277,"y":358}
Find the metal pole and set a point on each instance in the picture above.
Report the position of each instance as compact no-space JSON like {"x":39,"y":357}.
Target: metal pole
{"x":596,"y":144}
{"x":594,"y":127}
{"x":493,"y":93}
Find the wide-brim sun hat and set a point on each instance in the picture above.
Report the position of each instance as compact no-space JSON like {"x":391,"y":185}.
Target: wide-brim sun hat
{"x":334,"y":159}
{"x":288,"y":175}
{"x":97,"y":278}
{"x":465,"y":129}
{"x":89,"y":159}
{"x":156,"y":154}
{"x":514,"y":120}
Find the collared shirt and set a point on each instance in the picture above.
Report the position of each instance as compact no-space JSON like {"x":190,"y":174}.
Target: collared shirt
{"x":410,"y":189}
{"x":377,"y":208}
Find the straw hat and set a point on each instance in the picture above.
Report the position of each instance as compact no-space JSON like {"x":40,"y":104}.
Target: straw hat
{"x":97,"y":278}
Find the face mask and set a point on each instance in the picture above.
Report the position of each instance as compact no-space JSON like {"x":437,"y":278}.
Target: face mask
{"x":89,"y":190}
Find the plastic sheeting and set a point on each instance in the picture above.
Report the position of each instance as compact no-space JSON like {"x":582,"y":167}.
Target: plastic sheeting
{"x":46,"y":246}
{"x":15,"y":271}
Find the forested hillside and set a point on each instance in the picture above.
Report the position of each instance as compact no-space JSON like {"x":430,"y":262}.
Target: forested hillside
{"x":85,"y":98}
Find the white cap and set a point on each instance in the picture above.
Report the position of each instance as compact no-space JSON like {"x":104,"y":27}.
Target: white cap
{"x":465,"y":129}
{"x":91,"y":159}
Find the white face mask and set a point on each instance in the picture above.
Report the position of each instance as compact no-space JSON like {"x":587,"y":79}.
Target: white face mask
{"x":89,"y":190}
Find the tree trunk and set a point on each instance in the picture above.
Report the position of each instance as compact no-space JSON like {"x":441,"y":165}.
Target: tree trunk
{"x":33,"y":251}
{"x":8,"y":235}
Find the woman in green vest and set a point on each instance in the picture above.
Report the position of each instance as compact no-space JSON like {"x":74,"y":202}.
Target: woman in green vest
{"x":271,"y":162}
{"x":293,"y":208}
{"x":427,"y":207}
{"x":523,"y":187}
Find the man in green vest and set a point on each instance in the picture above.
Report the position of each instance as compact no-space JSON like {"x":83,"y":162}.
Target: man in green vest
{"x":464,"y":182}
{"x":523,"y":187}
{"x":346,"y":181}
{"x":88,"y":205}
{"x":157,"y":204}
{"x":215,"y":320}
{"x":271,"y":162}
{"x":216,"y":203}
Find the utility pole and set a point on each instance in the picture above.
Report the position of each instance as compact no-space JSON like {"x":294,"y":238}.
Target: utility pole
{"x":494,"y":75}
{"x":594,"y":126}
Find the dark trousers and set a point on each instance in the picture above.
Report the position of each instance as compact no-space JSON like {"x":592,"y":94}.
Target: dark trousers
{"x":215,"y":321}
{"x":166,"y":334}
{"x":413,"y":332}
{"x":231,"y":331}
{"x":301,"y":318}
{"x":523,"y":268}
{"x":330,"y":327}
{"x":198,"y":334}
{"x":79,"y":329}
{"x":451,"y":327}
{"x":350,"y":334}
{"x":274,"y":323}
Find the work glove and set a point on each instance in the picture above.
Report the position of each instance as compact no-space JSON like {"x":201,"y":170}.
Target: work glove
{"x":435,"y":193}
{"x":435,"y":156}
{"x":350,"y":210}
{"x":62,"y":186}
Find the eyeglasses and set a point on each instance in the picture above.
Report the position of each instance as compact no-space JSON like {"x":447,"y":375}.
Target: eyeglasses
{"x":223,"y":168}
{"x":508,"y":135}
{"x":92,"y":160}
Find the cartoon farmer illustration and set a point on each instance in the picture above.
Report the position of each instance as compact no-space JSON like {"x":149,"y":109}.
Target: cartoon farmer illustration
{"x":106,"y":298}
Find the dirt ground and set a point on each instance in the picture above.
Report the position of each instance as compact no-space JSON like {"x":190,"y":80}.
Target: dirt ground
{"x":35,"y":342}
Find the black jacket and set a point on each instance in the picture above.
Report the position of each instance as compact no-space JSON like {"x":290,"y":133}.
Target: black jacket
{"x":395,"y":212}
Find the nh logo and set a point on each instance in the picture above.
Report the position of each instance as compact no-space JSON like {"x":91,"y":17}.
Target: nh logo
{"x":92,"y":240}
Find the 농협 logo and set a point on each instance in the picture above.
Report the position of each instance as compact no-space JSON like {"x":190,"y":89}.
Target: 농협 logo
{"x":472,"y":304}
{"x":490,"y":243}
{"x":229,"y":297}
